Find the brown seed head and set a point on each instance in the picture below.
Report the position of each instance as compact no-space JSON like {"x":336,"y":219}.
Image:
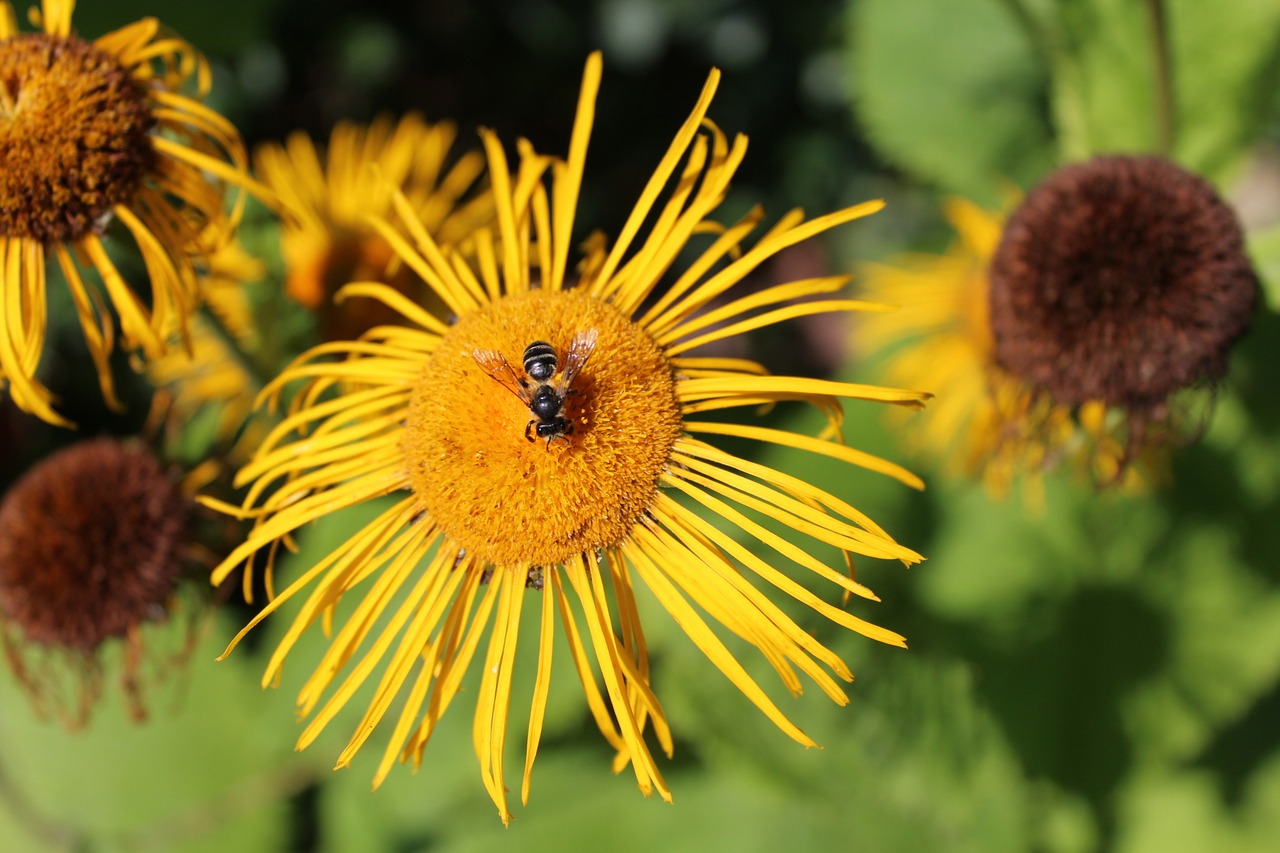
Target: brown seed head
{"x":91,"y":545}
{"x":1123,"y":279}
{"x":74,"y":136}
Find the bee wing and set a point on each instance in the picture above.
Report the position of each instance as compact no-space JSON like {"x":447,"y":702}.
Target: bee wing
{"x":580,"y":349}
{"x":500,"y":370}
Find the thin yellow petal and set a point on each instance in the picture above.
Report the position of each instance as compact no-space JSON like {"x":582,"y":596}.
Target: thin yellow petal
{"x":564,"y":201}
{"x":541,"y":689}
{"x":803,"y":442}
{"x":710,"y":645}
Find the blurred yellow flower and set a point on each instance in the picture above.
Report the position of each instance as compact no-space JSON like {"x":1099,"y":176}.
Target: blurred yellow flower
{"x":552,"y":439}
{"x":217,"y":373}
{"x":93,"y":133}
{"x":327,"y":238}
{"x":984,"y":421}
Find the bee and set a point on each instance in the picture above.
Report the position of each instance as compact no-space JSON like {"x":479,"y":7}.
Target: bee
{"x":541,"y":389}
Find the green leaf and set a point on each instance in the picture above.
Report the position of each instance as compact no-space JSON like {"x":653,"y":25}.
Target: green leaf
{"x":1223,"y":60}
{"x":1226,"y":58}
{"x":201,"y":774}
{"x":1264,"y":249}
{"x":951,"y":92}
{"x":1103,"y":80}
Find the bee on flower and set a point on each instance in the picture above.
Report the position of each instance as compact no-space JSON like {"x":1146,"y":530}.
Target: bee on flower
{"x":555,"y":447}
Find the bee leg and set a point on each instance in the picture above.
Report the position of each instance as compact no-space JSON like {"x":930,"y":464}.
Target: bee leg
{"x":528,"y":431}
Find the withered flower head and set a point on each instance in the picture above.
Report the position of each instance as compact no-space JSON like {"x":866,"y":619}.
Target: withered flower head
{"x":92,"y":543}
{"x":1123,"y":279}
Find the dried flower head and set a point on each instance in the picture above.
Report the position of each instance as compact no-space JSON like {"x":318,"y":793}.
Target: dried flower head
{"x":1062,"y":337}
{"x":1124,"y":280}
{"x":985,"y":421}
{"x":92,"y":545}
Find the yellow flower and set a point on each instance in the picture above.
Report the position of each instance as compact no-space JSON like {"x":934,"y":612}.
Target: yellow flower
{"x":984,"y":421}
{"x":609,"y":485}
{"x":93,"y":133}
{"x":327,"y":239}
{"x":216,"y":374}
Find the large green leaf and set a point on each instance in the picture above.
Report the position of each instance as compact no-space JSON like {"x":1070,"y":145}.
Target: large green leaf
{"x":1223,"y":62}
{"x":202,"y":774}
{"x":951,"y":92}
{"x":1226,"y":78}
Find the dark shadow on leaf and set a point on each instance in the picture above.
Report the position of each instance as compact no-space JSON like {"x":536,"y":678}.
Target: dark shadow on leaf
{"x":1240,"y":749}
{"x":1058,"y":686}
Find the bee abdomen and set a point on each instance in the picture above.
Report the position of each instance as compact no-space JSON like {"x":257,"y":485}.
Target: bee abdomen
{"x":540,"y":361}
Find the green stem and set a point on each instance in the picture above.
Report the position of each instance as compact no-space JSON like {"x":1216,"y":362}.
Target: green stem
{"x":1163,"y":70}
{"x":1032,"y":29}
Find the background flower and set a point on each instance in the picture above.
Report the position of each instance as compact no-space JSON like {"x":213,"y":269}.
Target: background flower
{"x":95,"y":133}
{"x":330,"y":198}
{"x":92,"y":546}
{"x":988,"y":421}
{"x":205,"y":391}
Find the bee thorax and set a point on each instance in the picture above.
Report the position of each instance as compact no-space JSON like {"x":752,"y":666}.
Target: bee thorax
{"x":546,"y":403}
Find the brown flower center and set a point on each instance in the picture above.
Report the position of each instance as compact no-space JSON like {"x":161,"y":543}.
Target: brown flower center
{"x":74,"y":136}
{"x":91,"y":544}
{"x":1123,"y":280}
{"x":510,"y":501}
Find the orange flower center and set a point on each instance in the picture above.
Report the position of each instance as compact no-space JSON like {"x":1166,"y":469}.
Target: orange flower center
{"x":74,"y":136}
{"x":581,"y":483}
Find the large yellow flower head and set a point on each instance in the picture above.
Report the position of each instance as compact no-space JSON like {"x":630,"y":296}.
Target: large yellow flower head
{"x":329,"y":197}
{"x":549,"y":450}
{"x":92,"y":133}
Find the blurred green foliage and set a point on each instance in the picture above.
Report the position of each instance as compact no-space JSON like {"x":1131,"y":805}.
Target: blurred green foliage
{"x":1104,"y":674}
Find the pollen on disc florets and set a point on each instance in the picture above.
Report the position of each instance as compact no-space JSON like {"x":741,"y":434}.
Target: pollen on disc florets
{"x":92,"y":542}
{"x":1123,"y":279}
{"x":512,"y":502}
{"x":74,"y":136}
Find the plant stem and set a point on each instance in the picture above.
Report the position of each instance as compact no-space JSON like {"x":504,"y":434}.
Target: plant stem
{"x":1163,"y":71}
